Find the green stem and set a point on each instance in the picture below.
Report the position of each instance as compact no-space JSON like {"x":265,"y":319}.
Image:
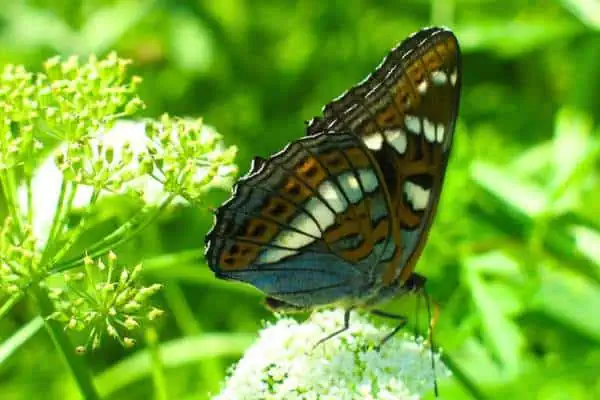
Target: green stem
{"x":10,"y":193}
{"x":10,"y":303}
{"x":122,"y":234}
{"x":75,"y":233}
{"x":56,"y":220}
{"x":158,"y":371}
{"x":76,"y":365}
{"x":211,"y":368}
{"x":462,"y":377}
{"x":29,"y":189}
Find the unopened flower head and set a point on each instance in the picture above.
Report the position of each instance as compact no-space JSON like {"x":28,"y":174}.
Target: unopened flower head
{"x":282,"y":364}
{"x":19,"y":258}
{"x":187,"y":156}
{"x":105,"y":301}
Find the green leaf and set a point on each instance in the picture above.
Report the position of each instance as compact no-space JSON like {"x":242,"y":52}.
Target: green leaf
{"x":587,"y":241}
{"x":175,"y":353}
{"x":108,"y":24}
{"x":524,"y":197}
{"x":497,"y":303}
{"x":569,"y":298}
{"x":13,"y":343}
{"x":513,"y":37}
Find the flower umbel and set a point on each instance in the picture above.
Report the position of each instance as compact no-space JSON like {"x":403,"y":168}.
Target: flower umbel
{"x":283,"y":365}
{"x":186,"y":157}
{"x":107,"y":300}
{"x":65,"y":148}
{"x":19,"y":259}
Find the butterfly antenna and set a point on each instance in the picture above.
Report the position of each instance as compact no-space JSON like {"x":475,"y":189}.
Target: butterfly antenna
{"x":417,"y":313}
{"x":432,"y":322}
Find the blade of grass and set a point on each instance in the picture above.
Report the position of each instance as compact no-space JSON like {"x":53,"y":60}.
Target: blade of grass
{"x":175,"y":353}
{"x":13,"y":343}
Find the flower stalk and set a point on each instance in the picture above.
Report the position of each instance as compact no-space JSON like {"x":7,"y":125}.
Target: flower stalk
{"x":64,"y":149}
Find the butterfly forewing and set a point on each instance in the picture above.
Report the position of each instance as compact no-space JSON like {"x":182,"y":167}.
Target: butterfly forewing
{"x":405,"y":113}
{"x":309,"y":226}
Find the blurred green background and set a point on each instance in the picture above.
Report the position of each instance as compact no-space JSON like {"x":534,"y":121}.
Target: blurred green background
{"x":514,"y":256}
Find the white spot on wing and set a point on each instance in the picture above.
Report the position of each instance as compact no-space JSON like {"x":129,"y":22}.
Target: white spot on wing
{"x":416,"y":195}
{"x":304,"y":223}
{"x":324,"y":216}
{"x":368,"y":179}
{"x":273,"y":255}
{"x":333,"y":196}
{"x":429,"y":130}
{"x":413,"y":124}
{"x":439,"y":77}
{"x":292,"y":239}
{"x":397,"y":139}
{"x":453,"y":77}
{"x":440,"y":131}
{"x":422,"y":88}
{"x":351,"y":187}
{"x":373,"y":141}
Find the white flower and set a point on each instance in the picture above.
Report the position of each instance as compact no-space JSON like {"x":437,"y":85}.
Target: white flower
{"x":282,"y":364}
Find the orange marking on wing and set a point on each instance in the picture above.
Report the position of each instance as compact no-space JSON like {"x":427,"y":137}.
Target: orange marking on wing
{"x":366,"y":247}
{"x":416,"y":74}
{"x":239,"y":255}
{"x":442,"y":51}
{"x":358,"y":157}
{"x":407,"y":215}
{"x":451,"y":45}
{"x":370,"y":127}
{"x":278,"y":210}
{"x":311,"y":171}
{"x":259,"y":230}
{"x":295,"y":190}
{"x":389,"y":117}
{"x":348,"y":228}
{"x":404,"y":95}
{"x":431,"y":60}
{"x":335,"y":162}
{"x":351,"y":222}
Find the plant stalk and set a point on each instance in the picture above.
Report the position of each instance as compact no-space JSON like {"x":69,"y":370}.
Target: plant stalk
{"x":76,"y":365}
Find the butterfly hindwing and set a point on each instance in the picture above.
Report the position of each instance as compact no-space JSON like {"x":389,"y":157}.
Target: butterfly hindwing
{"x":309,"y":226}
{"x":405,"y":112}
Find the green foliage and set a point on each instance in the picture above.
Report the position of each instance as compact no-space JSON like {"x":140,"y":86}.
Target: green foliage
{"x":513,"y":259}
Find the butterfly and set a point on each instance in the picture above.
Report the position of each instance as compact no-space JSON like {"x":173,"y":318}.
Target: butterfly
{"x":340,"y":216}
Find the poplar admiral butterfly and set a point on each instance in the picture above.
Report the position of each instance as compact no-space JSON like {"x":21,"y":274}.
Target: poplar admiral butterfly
{"x":341,"y":216}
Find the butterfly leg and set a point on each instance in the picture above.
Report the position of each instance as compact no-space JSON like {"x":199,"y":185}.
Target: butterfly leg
{"x":401,"y":324}
{"x":276,"y":305}
{"x":416,"y":283}
{"x":343,"y":329}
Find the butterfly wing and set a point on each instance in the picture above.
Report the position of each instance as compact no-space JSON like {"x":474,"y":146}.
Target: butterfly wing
{"x":405,"y":112}
{"x":309,"y":226}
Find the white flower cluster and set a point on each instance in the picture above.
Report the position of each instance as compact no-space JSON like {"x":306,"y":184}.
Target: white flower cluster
{"x":282,"y":364}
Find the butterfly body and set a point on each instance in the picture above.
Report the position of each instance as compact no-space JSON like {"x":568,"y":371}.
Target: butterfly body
{"x":340,"y":216}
